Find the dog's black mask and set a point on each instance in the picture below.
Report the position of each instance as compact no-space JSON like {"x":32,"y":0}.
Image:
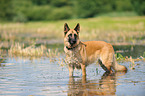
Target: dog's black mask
{"x":72,"y":39}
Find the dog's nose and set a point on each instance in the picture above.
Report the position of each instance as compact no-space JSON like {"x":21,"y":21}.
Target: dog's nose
{"x":73,"y":41}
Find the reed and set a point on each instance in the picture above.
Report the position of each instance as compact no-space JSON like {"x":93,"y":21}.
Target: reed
{"x":110,"y":29}
{"x":18,"y":49}
{"x":132,"y":65}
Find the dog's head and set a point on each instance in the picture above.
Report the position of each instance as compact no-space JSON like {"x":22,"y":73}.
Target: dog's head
{"x":71,"y":36}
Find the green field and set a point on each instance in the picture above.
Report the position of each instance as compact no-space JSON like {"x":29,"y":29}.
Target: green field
{"x":115,"y":30}
{"x":110,"y":29}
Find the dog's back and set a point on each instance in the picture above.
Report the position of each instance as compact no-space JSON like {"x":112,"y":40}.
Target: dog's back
{"x":104,"y":52}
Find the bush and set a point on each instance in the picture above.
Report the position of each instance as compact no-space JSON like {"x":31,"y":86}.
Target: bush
{"x":20,"y":17}
{"x":21,"y":7}
{"x":40,"y":2}
{"x":59,"y":3}
{"x":32,"y":10}
{"x":139,"y":6}
{"x":38,"y":13}
{"x":48,"y":13}
{"x":123,"y":5}
{"x":85,"y":8}
{"x":6,"y":10}
{"x":59,"y":13}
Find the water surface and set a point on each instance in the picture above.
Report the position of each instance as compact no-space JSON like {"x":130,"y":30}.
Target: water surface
{"x":22,"y":77}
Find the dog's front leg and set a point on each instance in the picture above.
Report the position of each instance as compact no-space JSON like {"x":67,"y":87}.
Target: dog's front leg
{"x":83,"y":66}
{"x":71,"y":69}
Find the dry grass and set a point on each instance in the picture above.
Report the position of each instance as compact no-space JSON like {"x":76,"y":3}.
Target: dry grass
{"x":116,"y":29}
{"x":14,"y":36}
{"x":32,"y":51}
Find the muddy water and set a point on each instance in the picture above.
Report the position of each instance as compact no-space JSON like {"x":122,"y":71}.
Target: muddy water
{"x":23,"y":77}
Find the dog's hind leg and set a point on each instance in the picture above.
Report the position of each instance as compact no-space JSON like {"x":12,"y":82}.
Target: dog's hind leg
{"x":106,"y":68}
{"x":106,"y":60}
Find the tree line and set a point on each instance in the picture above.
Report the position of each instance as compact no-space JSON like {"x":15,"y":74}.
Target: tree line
{"x":36,"y":10}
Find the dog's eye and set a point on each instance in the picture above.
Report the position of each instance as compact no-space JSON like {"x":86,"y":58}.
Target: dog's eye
{"x":75,"y":35}
{"x":70,"y":35}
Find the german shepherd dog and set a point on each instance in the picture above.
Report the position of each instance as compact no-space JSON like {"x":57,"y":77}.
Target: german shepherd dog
{"x":81,"y":54}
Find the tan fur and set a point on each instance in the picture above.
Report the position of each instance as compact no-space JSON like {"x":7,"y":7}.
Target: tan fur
{"x":66,"y":37}
{"x":105,"y":86}
{"x":85,"y":53}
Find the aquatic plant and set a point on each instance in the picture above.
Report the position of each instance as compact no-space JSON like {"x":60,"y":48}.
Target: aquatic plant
{"x":144,"y":54}
{"x":62,"y":62}
{"x":18,"y":49}
{"x":1,"y":60}
{"x":32,"y":51}
{"x":119,"y":57}
{"x":52,"y":53}
{"x":132,"y":65}
{"x":132,"y":61}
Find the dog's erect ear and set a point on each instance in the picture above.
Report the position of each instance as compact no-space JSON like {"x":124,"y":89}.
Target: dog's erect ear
{"x":77,"y":28}
{"x":66,"y":28}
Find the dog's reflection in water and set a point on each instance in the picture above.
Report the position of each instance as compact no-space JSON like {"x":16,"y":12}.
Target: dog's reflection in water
{"x":83,"y":87}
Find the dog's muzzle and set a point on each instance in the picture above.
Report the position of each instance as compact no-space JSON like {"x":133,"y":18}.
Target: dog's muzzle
{"x":72,"y":41}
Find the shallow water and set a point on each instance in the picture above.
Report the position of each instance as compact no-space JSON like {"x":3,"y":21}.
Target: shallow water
{"x":22,"y":77}
{"x":130,"y":50}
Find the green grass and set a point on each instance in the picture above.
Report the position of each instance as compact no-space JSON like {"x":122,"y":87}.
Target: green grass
{"x":110,"y":29}
{"x":118,"y":14}
{"x":37,"y":39}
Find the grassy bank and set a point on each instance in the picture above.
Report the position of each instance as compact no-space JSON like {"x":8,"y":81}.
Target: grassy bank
{"x":110,"y":29}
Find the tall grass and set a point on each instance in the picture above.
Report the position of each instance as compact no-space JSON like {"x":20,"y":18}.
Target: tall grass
{"x":110,"y":29}
{"x":34,"y":51}
{"x":14,"y":36}
{"x":18,"y":49}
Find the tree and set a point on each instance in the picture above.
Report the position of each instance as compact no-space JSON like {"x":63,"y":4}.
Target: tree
{"x":85,"y":8}
{"x":6,"y":10}
{"x":139,"y":6}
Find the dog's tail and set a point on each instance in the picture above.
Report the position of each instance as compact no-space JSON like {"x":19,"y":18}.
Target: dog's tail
{"x":118,"y":67}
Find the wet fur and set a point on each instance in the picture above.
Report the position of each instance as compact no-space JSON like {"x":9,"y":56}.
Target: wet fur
{"x":81,"y":54}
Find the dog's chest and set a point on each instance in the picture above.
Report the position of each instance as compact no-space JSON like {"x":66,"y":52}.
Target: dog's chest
{"x":73,"y":57}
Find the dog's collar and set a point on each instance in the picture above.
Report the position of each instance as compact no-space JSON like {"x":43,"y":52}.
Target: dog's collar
{"x":75,"y":46}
